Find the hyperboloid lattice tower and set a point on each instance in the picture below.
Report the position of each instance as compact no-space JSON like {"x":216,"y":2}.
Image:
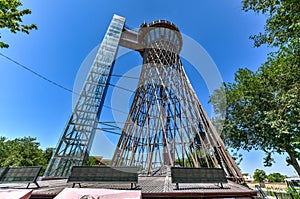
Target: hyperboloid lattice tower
{"x":166,"y":125}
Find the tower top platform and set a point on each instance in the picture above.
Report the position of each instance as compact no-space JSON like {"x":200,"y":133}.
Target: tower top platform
{"x":162,"y":30}
{"x":161,"y":23}
{"x":137,"y":39}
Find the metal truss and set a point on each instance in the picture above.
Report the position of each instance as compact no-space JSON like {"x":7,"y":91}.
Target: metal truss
{"x":167,"y":125}
{"x":75,"y":143}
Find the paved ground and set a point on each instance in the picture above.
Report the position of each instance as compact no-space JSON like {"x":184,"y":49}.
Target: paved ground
{"x":150,"y":187}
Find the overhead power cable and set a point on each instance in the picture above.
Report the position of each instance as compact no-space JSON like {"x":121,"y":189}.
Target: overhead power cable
{"x":37,"y":74}
{"x":123,"y":76}
{"x":120,"y":87}
{"x":63,"y":87}
{"x":114,"y":109}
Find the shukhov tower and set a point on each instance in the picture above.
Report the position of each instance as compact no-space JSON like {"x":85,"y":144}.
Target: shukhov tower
{"x":166,"y":125}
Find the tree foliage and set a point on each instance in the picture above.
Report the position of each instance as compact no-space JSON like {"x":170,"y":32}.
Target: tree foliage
{"x":282,"y":26}
{"x":23,"y":152}
{"x":259,"y":175}
{"x":263,"y":107}
{"x":202,"y":158}
{"x":11,"y":18}
{"x":91,"y":161}
{"x":276,"y":177}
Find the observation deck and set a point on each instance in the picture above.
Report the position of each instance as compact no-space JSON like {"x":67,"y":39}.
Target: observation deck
{"x":140,"y":39}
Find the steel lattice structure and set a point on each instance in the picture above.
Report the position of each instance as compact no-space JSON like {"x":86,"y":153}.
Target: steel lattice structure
{"x":166,"y":125}
{"x":75,"y":143}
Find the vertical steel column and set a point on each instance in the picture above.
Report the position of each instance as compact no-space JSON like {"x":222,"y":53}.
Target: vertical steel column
{"x":75,"y":143}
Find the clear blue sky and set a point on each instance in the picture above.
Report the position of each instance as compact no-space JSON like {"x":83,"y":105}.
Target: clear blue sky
{"x":69,"y":30}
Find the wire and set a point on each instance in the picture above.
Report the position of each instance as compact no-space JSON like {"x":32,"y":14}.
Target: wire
{"x":63,"y":87}
{"x":123,"y":76}
{"x":57,"y":84}
{"x":126,"y":89}
{"x":114,"y":109}
{"x":37,"y":74}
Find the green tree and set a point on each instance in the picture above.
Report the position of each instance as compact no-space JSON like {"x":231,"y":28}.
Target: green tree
{"x":22,"y":152}
{"x":47,"y":154}
{"x":263,"y":107}
{"x":276,"y":177}
{"x":282,"y":28}
{"x":11,"y":18}
{"x":260,"y":176}
{"x":91,"y":161}
{"x":2,"y":149}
